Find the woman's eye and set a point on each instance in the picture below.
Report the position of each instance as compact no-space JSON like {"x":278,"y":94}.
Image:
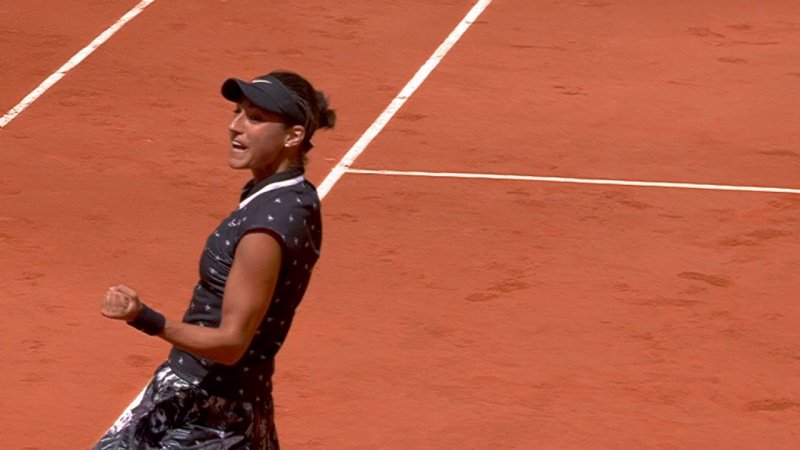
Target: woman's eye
{"x":251,"y":116}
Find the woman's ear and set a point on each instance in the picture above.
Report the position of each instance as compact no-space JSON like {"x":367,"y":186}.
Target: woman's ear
{"x":295,"y":136}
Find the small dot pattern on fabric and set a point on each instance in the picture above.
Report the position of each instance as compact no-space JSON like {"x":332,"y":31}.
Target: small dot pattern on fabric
{"x":290,"y":213}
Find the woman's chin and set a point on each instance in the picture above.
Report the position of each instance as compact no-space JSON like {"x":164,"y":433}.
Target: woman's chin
{"x":237,"y":161}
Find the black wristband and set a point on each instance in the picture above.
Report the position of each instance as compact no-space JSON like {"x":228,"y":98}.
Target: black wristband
{"x":149,"y":321}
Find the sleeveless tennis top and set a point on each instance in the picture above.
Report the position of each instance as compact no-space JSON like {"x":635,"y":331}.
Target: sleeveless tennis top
{"x":287,"y":206}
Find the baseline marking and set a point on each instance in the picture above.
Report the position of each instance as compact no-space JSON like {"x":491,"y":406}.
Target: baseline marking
{"x":74,"y":61}
{"x":410,"y":87}
{"x":341,"y":167}
{"x":658,"y":184}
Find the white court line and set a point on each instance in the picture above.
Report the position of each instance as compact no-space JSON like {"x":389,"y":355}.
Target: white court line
{"x":74,"y":61}
{"x":336,"y":173}
{"x":410,"y":87}
{"x":658,"y":184}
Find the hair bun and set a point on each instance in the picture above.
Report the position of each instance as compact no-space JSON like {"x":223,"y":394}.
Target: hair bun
{"x":327,"y":117}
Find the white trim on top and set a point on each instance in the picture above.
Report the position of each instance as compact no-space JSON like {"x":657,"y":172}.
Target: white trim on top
{"x":272,"y":187}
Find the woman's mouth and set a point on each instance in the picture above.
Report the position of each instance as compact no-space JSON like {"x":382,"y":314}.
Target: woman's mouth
{"x":238,"y":146}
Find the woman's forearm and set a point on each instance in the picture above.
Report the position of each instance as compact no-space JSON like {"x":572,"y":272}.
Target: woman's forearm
{"x":218,"y":344}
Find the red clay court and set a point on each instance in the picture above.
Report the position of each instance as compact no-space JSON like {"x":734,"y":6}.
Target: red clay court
{"x":501,"y":268}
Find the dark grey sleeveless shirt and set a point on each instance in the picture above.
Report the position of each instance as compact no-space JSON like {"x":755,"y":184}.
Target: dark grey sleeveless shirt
{"x":286,"y":206}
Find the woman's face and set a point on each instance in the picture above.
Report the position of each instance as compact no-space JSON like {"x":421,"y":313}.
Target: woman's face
{"x":259,"y":140}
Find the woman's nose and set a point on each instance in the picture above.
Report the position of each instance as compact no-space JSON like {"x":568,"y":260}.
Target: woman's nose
{"x":235,"y":125}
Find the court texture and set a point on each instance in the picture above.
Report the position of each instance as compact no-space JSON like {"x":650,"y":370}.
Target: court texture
{"x":549,"y":224}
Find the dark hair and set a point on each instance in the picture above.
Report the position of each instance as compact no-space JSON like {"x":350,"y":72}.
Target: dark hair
{"x":314,"y":104}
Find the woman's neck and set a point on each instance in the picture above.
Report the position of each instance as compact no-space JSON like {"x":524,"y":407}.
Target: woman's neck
{"x":282,"y":166}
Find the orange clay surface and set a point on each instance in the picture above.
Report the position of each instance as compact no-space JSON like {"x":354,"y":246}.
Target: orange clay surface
{"x":445,"y":313}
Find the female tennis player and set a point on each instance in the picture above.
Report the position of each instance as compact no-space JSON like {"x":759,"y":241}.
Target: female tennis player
{"x":214,"y":391}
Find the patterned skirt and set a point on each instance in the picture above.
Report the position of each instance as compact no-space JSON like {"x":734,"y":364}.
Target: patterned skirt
{"x":174,"y":414}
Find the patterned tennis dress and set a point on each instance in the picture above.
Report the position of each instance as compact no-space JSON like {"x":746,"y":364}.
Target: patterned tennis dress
{"x":196,"y":403}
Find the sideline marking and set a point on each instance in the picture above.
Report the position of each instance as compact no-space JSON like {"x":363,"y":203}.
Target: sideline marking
{"x":342,"y":166}
{"x":74,"y":61}
{"x":659,"y":184}
{"x":410,"y":87}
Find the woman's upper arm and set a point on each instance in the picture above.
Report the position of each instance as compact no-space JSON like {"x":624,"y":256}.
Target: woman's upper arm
{"x":250,"y":285}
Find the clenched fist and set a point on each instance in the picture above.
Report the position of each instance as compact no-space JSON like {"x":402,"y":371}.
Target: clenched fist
{"x":121,"y":303}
